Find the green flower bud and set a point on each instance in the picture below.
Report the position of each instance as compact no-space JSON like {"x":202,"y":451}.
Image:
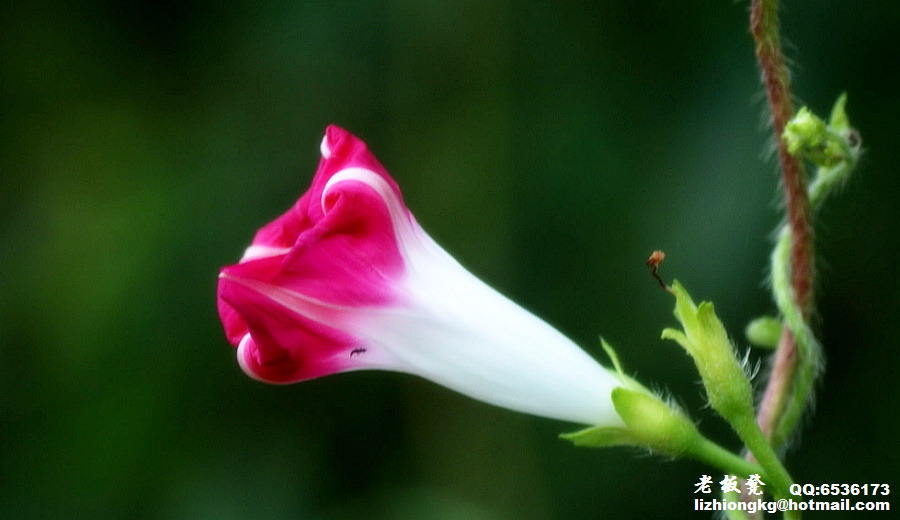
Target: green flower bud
{"x":764,"y":332}
{"x":827,"y":145}
{"x":653,"y":422}
{"x":804,"y":132}
{"x":704,"y":338}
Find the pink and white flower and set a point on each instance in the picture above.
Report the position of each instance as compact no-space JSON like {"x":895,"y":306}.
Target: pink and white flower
{"x":347,"y":280}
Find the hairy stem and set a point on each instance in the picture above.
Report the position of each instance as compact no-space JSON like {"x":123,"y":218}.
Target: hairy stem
{"x":714,"y":455}
{"x":799,"y":239}
{"x":798,"y":357}
{"x":794,"y":372}
{"x":778,"y":478}
{"x":773,"y":399}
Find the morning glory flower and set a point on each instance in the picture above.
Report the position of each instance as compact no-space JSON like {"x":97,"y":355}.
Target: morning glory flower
{"x":347,"y":280}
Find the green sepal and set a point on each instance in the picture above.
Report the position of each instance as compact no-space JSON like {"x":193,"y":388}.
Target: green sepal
{"x":764,"y":332}
{"x":703,"y":335}
{"x":612,"y":357}
{"x":601,"y":437}
{"x":676,"y":336}
{"x":649,"y":422}
{"x":653,"y":422}
{"x":626,"y":380}
{"x":839,"y":120}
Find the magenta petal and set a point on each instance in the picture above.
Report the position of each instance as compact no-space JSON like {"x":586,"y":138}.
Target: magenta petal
{"x":340,"y":150}
{"x":283,"y":345}
{"x":234,"y":324}
{"x":328,"y":256}
{"x":339,"y":248}
{"x":350,"y":257}
{"x":344,"y":150}
{"x":264,"y":269}
{"x":283,"y":231}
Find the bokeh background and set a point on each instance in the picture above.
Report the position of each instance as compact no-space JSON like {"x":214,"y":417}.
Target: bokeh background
{"x":549,"y":147}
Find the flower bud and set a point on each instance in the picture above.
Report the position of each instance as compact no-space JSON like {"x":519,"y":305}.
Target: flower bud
{"x":705,"y":340}
{"x":764,"y":332}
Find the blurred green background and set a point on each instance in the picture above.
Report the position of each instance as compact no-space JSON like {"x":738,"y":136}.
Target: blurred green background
{"x":549,"y":147}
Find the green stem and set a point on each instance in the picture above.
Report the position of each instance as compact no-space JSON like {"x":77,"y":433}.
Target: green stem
{"x":736,"y":514}
{"x":778,"y":477}
{"x":827,"y":179}
{"x":782,"y":408}
{"x":711,"y":453}
{"x":780,"y":414}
